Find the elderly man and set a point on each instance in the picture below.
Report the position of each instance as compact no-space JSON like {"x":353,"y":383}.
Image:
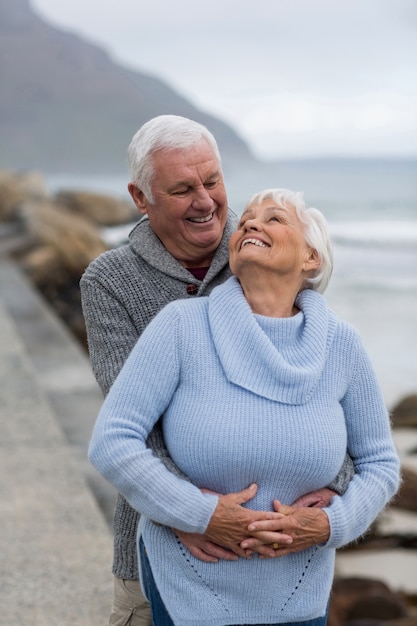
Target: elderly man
{"x":179,"y":249}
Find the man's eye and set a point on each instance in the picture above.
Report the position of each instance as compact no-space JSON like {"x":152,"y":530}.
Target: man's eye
{"x":180,"y":192}
{"x":211,"y":184}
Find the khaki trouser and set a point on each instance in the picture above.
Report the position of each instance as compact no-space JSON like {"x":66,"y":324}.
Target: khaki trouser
{"x":130,"y":608}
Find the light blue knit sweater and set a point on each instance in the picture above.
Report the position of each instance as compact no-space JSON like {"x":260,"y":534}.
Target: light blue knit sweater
{"x":245,"y":399}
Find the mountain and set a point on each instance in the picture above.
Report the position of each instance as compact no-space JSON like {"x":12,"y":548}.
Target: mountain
{"x":65,"y":106}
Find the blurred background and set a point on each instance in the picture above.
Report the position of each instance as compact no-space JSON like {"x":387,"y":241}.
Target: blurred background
{"x":318,"y":96}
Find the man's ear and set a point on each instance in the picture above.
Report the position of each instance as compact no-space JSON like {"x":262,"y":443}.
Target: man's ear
{"x":138,"y":198}
{"x":312,"y":261}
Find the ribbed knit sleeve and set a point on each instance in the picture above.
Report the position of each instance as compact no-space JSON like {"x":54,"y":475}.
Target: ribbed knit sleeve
{"x":110,"y":329}
{"x":370,"y":445}
{"x":139,"y":396}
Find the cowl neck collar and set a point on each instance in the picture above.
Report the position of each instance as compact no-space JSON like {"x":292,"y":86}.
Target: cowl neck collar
{"x":281,"y":359}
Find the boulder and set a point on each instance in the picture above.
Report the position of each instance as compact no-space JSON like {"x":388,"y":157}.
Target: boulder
{"x":377,"y":606}
{"x":41,"y":263}
{"x":406,"y":497}
{"x":100,"y":209}
{"x":364,"y":599}
{"x":75,"y":241}
{"x":400,"y":621}
{"x":18,"y":187}
{"x":404,"y":414}
{"x":62,"y":245}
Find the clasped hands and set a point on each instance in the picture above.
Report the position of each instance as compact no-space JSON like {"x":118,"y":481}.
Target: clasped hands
{"x":235,"y":531}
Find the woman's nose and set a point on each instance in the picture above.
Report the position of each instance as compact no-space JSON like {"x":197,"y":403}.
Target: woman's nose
{"x":252,"y":224}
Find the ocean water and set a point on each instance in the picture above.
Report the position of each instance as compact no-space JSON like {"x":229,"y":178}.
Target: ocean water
{"x":371,"y":206}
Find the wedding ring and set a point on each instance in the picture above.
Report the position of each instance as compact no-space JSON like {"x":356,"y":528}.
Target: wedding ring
{"x":275,"y":546}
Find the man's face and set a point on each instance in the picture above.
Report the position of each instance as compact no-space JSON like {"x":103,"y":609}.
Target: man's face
{"x":189,"y":209}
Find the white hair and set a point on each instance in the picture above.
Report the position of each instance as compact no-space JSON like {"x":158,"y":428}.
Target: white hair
{"x":164,"y":132}
{"x":315,"y":229}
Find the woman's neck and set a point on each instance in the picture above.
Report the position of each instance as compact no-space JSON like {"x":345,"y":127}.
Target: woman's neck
{"x":271,"y":299}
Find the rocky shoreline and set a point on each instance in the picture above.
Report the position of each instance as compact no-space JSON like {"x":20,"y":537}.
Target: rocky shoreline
{"x":54,"y":237}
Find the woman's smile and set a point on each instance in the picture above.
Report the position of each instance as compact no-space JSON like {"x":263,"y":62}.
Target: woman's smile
{"x":255,"y":242}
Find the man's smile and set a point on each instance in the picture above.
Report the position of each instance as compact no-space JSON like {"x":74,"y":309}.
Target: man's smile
{"x":201,"y":220}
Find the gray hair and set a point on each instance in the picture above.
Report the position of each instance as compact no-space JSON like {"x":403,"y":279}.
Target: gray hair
{"x":164,"y":132}
{"x":315,"y":228}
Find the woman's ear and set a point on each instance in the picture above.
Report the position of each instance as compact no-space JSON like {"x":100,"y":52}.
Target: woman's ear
{"x":138,"y":198}
{"x":312,"y":261}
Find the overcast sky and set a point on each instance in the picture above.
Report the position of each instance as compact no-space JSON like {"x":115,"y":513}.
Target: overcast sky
{"x":293,"y":77}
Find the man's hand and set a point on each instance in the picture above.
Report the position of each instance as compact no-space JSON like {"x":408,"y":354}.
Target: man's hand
{"x":307,"y":526}
{"x":316,"y":499}
{"x":204,"y":549}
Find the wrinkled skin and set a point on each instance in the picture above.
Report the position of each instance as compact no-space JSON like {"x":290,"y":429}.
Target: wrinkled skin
{"x":235,"y":531}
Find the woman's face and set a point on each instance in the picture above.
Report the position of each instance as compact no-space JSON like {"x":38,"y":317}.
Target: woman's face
{"x":270,"y":238}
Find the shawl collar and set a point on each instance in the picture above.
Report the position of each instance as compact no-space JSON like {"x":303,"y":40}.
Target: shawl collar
{"x":147,"y":245}
{"x":252,"y":361}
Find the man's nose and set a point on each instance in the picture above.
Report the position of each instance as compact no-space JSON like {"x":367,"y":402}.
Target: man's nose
{"x":202,"y":199}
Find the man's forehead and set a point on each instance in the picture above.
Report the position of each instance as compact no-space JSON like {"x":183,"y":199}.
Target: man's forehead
{"x":196,"y":153}
{"x":182,"y":167}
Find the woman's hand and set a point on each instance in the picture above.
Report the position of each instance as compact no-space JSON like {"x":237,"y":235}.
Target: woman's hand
{"x":307,"y":526}
{"x":235,"y":531}
{"x":228,"y":526}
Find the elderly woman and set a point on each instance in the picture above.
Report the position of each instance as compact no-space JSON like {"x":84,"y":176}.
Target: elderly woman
{"x":259,"y":385}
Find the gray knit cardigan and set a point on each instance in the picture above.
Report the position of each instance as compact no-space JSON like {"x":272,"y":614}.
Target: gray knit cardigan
{"x":122,"y":290}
